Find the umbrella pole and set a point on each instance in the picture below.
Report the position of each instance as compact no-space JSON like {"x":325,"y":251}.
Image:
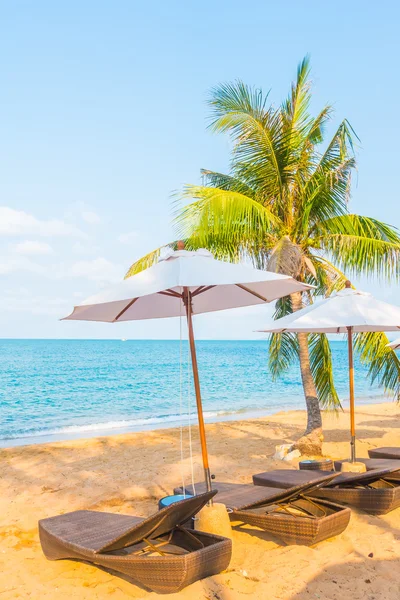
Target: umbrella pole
{"x":187,"y":299}
{"x":351,"y":389}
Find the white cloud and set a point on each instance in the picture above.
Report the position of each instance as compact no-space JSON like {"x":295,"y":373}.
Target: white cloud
{"x":129,"y":237}
{"x":81,"y":211}
{"x":11,"y":265}
{"x":79,"y":248}
{"x":33,"y":248}
{"x":22,"y":300}
{"x":98,"y":269}
{"x":18,"y":222}
{"x":91,"y":217}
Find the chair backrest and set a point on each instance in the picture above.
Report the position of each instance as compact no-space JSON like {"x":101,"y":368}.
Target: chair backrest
{"x":294,"y":492}
{"x":162,"y":522}
{"x":349,"y":478}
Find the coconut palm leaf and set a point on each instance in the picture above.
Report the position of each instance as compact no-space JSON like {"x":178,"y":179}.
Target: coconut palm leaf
{"x":283,"y":347}
{"x":283,"y":353}
{"x":315,"y":133}
{"x":325,"y":195}
{"x":382,"y":362}
{"x":235,"y":104}
{"x":358,"y":243}
{"x":257,"y":132}
{"x":227,"y":183}
{"x":322,"y":370}
{"x":148,"y":260}
{"x":230,"y":217}
{"x":328,"y":277}
{"x":191,"y":243}
{"x":295,"y":111}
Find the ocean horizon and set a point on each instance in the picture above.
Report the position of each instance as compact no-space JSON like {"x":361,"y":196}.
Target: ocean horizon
{"x":58,"y":389}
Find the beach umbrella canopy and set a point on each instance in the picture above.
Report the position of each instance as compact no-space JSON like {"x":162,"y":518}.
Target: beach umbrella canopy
{"x":188,"y":283}
{"x":395,"y":345}
{"x":348,"y":311}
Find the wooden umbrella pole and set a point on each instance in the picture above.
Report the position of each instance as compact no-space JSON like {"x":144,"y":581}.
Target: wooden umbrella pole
{"x":351,"y":389}
{"x":187,"y":299}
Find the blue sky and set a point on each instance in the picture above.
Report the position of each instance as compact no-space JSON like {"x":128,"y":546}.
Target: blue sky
{"x":104,"y":115}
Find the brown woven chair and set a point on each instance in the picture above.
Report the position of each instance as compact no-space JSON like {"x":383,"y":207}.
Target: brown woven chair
{"x":290,"y":515}
{"x":373,"y":463}
{"x":156,"y":553}
{"x":386,"y":452}
{"x":376,"y":492}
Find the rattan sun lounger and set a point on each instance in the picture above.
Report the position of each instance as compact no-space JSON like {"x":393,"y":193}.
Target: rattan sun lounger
{"x":290,"y":515}
{"x":156,"y":553}
{"x":386,"y":452}
{"x":372,"y":463}
{"x":376,"y":492}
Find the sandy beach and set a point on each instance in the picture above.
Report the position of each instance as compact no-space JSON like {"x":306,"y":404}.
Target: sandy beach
{"x":128,"y":474}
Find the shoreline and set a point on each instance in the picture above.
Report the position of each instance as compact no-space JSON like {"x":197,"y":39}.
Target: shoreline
{"x":95,"y":430}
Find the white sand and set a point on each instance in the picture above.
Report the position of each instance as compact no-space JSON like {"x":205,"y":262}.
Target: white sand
{"x":129,"y":473}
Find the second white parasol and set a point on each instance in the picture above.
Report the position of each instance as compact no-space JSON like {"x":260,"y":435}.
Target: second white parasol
{"x":348,"y":311}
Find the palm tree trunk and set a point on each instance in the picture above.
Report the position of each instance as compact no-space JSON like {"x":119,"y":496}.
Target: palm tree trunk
{"x":311,"y":441}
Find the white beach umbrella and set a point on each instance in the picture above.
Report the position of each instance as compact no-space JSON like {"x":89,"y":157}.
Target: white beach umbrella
{"x":348,"y":311}
{"x":193,"y":282}
{"x":395,"y":345}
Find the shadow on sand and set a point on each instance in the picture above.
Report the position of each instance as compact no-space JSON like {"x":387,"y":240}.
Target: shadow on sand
{"x":363,"y":579}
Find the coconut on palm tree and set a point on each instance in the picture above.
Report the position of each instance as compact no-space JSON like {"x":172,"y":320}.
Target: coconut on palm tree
{"x":284,"y":207}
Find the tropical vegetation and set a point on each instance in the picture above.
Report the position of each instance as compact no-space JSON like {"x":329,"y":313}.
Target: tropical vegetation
{"x":284,"y":206}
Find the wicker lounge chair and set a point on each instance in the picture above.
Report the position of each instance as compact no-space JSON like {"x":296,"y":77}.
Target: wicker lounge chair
{"x":373,"y":463}
{"x":156,"y":553}
{"x":376,"y":492}
{"x":290,"y":515}
{"x":386,"y":452}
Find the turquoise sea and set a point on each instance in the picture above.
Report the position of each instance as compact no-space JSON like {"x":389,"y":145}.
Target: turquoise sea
{"x":61,"y":389}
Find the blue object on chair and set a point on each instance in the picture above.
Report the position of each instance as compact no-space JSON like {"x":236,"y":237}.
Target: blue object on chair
{"x":167,"y":500}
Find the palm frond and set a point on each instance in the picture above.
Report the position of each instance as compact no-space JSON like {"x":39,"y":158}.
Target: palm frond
{"x":191,"y":243}
{"x":315,"y":133}
{"x":307,"y":154}
{"x":339,"y":148}
{"x":283,"y":307}
{"x":361,"y":244}
{"x":325,"y":191}
{"x":148,"y":260}
{"x":283,"y":352}
{"x":224,"y":216}
{"x":227,"y":183}
{"x":322,"y":370}
{"x":257,"y":131}
{"x":325,"y":195}
{"x":383,"y":363}
{"x":295,"y":111}
{"x":328,"y":277}
{"x":230,"y":104}
{"x":283,"y":347}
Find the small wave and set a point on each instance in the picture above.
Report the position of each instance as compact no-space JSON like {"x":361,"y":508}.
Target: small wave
{"x":123,"y":424}
{"x":158,"y":421}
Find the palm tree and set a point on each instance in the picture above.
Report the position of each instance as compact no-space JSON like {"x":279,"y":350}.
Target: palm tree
{"x":284,"y":207}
